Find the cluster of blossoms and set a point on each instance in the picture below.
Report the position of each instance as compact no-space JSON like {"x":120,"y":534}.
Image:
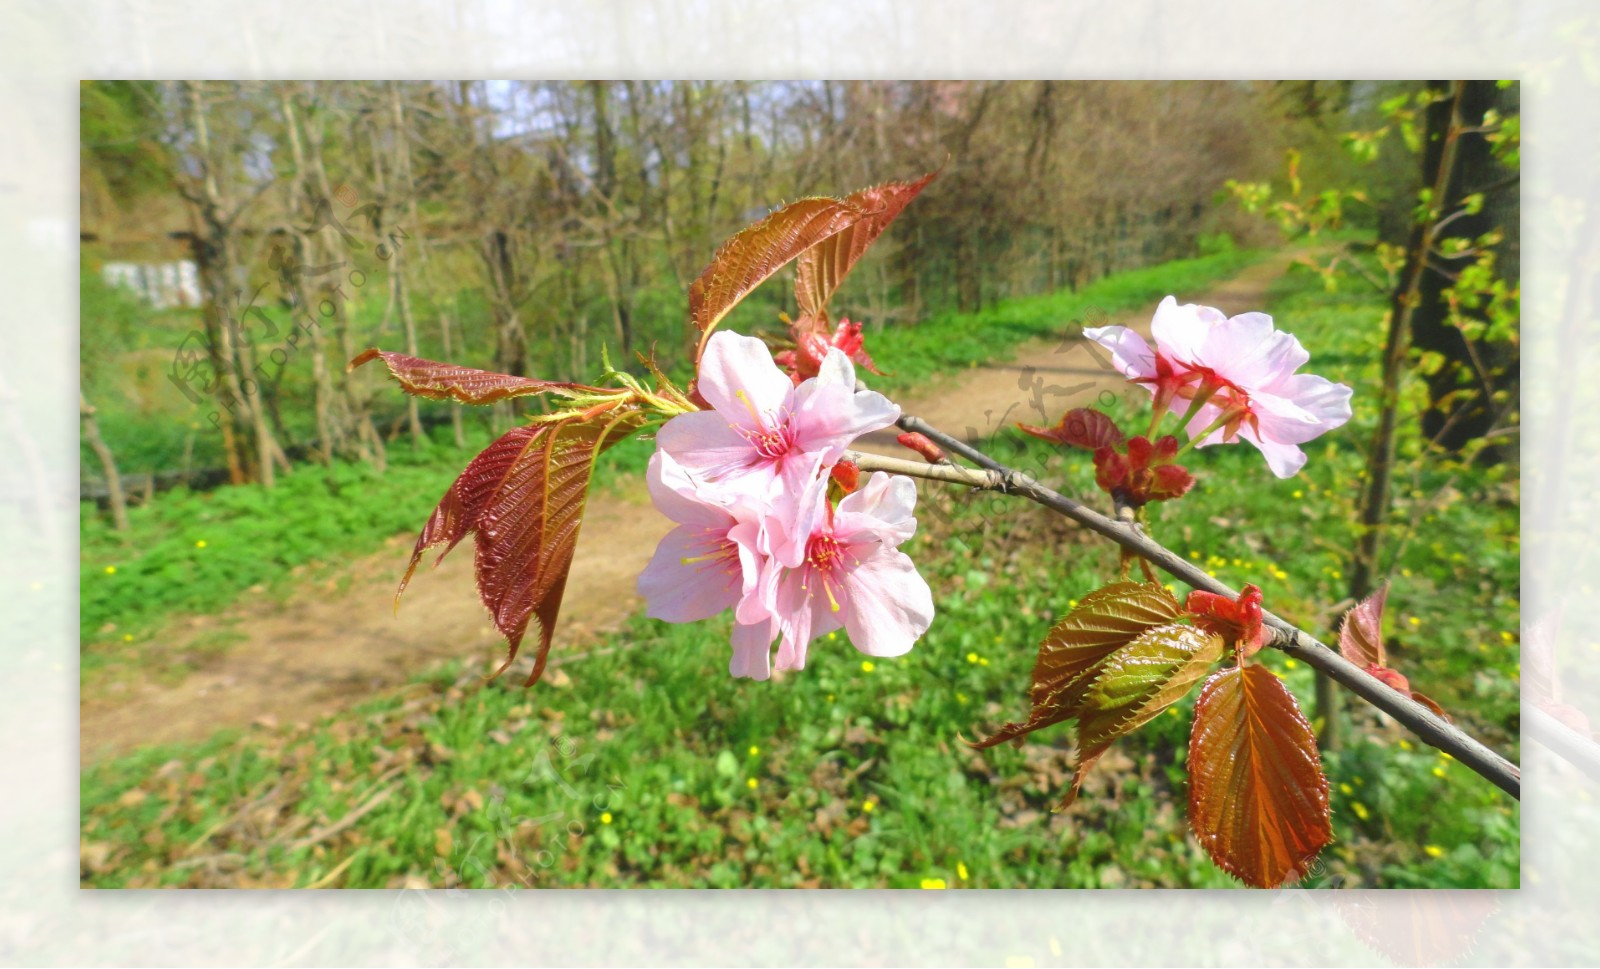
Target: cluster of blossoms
{"x":813,"y":342}
{"x":1236,"y":377}
{"x":747,"y":483}
{"x":1135,"y":471}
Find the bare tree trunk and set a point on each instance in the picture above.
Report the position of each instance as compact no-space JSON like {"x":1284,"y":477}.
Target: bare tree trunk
{"x":1381,"y":455}
{"x":108,"y":465}
{"x":213,"y":247}
{"x":449,"y":354}
{"x":368,"y":442}
{"x":397,"y":287}
{"x":330,"y":434}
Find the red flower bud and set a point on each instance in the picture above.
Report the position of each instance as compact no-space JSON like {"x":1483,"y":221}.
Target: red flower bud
{"x":1236,"y":620}
{"x":919,"y":443}
{"x":812,"y":343}
{"x":847,"y":475}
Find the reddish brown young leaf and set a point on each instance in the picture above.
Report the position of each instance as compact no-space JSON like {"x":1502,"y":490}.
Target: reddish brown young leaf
{"x":823,"y":267}
{"x":1108,"y":618}
{"x":1258,"y":800}
{"x":446,"y":381}
{"x":1361,"y":642}
{"x":1393,"y":679}
{"x":1361,"y":634}
{"x":523,"y":499}
{"x":1082,"y":427}
{"x":463,"y":503}
{"x":756,"y":252}
{"x":1135,"y":684}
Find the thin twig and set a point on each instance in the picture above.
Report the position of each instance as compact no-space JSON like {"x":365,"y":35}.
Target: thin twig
{"x":1427,"y":725}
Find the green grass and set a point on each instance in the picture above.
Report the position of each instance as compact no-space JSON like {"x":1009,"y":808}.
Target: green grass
{"x":633,"y":765}
{"x":656,"y":736}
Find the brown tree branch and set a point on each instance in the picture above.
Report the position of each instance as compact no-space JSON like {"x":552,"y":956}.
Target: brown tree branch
{"x":994,"y":476}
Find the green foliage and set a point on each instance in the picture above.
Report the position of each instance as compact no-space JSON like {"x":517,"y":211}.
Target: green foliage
{"x":1215,"y":243}
{"x":118,"y":127}
{"x":111,"y":320}
{"x":194,"y":552}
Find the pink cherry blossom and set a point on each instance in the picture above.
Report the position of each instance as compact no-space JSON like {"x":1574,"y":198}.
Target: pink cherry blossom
{"x":1240,"y":369}
{"x":841,"y":567}
{"x":709,"y":563}
{"x":764,"y":436}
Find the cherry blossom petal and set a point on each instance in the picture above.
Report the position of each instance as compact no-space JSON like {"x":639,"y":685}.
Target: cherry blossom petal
{"x":790,"y":531}
{"x":752,"y":651}
{"x":1181,"y":332}
{"x":706,"y":445}
{"x":739,"y":380}
{"x":884,"y":506}
{"x":794,"y":612}
{"x":836,"y":370}
{"x":678,"y":591}
{"x":1285,"y":460}
{"x":889,"y":604}
{"x":1248,"y":351}
{"x":1323,"y":401}
{"x":677,"y":495}
{"x":830,"y":412}
{"x":1130,"y":354}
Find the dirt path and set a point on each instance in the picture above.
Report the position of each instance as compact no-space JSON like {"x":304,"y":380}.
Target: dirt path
{"x":339,"y":643}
